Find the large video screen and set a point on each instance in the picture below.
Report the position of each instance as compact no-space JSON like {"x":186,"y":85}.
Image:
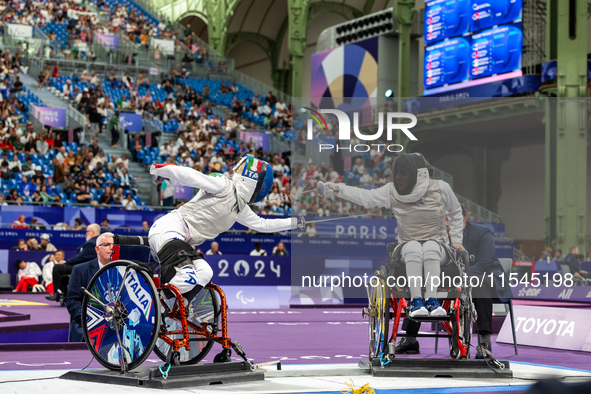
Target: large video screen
{"x":496,"y":51}
{"x":489,"y":13}
{"x":446,"y":18}
{"x":471,"y":42}
{"x":447,"y":62}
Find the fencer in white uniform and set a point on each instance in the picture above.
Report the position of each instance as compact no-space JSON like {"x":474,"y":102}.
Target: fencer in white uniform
{"x":419,"y":205}
{"x":220,"y":203}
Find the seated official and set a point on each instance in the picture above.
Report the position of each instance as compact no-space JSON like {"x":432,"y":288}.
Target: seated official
{"x":479,"y":242}
{"x":572,"y":261}
{"x":81,"y":276}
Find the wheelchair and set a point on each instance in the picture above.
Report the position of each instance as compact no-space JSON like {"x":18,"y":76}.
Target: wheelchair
{"x":126,"y":316}
{"x":387,"y":305}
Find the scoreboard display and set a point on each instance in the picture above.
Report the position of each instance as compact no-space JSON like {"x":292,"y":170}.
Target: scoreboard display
{"x":489,"y":13}
{"x":447,"y":62}
{"x":471,"y":39}
{"x":496,"y":51}
{"x":446,"y":18}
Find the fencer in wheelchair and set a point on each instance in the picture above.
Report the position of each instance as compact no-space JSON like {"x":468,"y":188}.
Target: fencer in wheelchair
{"x":220,"y":202}
{"x":420,"y":206}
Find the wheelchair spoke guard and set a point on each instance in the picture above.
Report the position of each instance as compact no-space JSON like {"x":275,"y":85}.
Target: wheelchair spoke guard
{"x":133,"y":315}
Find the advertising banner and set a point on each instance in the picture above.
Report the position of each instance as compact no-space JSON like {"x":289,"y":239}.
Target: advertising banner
{"x":259,"y":140}
{"x":130,"y":122}
{"x":182,"y":192}
{"x":250,"y":270}
{"x":556,"y":328}
{"x":166,"y":46}
{"x":54,"y":117}
{"x":20,"y":31}
{"x":109,"y":41}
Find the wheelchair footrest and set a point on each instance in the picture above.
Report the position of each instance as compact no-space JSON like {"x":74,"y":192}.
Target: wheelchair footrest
{"x":430,"y":319}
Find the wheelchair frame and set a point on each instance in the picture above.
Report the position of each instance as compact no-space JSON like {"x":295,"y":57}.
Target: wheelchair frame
{"x":116,"y":315}
{"x":458,"y":322}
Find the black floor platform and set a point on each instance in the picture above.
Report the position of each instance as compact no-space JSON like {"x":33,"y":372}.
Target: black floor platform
{"x":182,"y":376}
{"x":437,"y":368}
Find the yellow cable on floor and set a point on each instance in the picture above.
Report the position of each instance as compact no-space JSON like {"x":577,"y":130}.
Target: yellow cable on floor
{"x":365,"y":389}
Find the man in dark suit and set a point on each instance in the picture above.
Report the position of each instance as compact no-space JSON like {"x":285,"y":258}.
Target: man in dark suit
{"x":479,"y":242}
{"x":81,"y":276}
{"x":571,"y":260}
{"x":86,"y":252}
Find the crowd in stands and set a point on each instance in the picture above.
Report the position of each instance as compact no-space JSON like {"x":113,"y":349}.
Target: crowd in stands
{"x":41,"y":169}
{"x":71,"y":26}
{"x":182,"y":102}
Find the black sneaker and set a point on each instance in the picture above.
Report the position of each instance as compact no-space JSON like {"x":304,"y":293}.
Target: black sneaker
{"x":405,"y":346}
{"x":52,"y":297}
{"x":483,"y":351}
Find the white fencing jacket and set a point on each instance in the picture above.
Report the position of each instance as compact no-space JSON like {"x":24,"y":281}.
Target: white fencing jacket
{"x":219,"y":203}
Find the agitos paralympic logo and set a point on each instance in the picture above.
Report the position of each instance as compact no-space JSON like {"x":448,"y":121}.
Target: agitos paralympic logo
{"x":345,"y":129}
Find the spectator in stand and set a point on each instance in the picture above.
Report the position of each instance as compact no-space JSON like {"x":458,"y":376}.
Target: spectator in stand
{"x":105,"y":225}
{"x":94,"y":120}
{"x":107,"y":197}
{"x":67,"y":90}
{"x":258,"y":251}
{"x":46,"y":245}
{"x":86,"y":252}
{"x":280,"y":250}
{"x":35,"y":224}
{"x":34,"y":245}
{"x":129,"y":202}
{"x":56,"y":258}
{"x":547,"y":255}
{"x":17,"y":86}
{"x":22,"y":246}
{"x":113,"y":128}
{"x":59,"y":172}
{"x":215,"y":249}
{"x":573,"y":263}
{"x":25,"y":187}
{"x":166,"y":193}
{"x":145,"y":227}
{"x":27,"y":275}
{"x":83,"y":196}
{"x":78,"y":225}
{"x":558,"y":255}
{"x":20,"y":223}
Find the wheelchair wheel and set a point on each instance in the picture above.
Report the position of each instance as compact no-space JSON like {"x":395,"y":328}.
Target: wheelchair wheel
{"x":466,"y":325}
{"x":378,"y":312}
{"x":206,"y":309}
{"x":120,"y":322}
{"x":454,"y":348}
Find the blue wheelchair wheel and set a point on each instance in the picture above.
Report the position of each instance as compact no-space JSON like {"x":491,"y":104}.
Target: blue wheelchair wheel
{"x":121,"y":320}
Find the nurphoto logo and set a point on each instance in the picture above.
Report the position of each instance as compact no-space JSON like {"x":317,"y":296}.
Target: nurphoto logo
{"x":345,"y":129}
